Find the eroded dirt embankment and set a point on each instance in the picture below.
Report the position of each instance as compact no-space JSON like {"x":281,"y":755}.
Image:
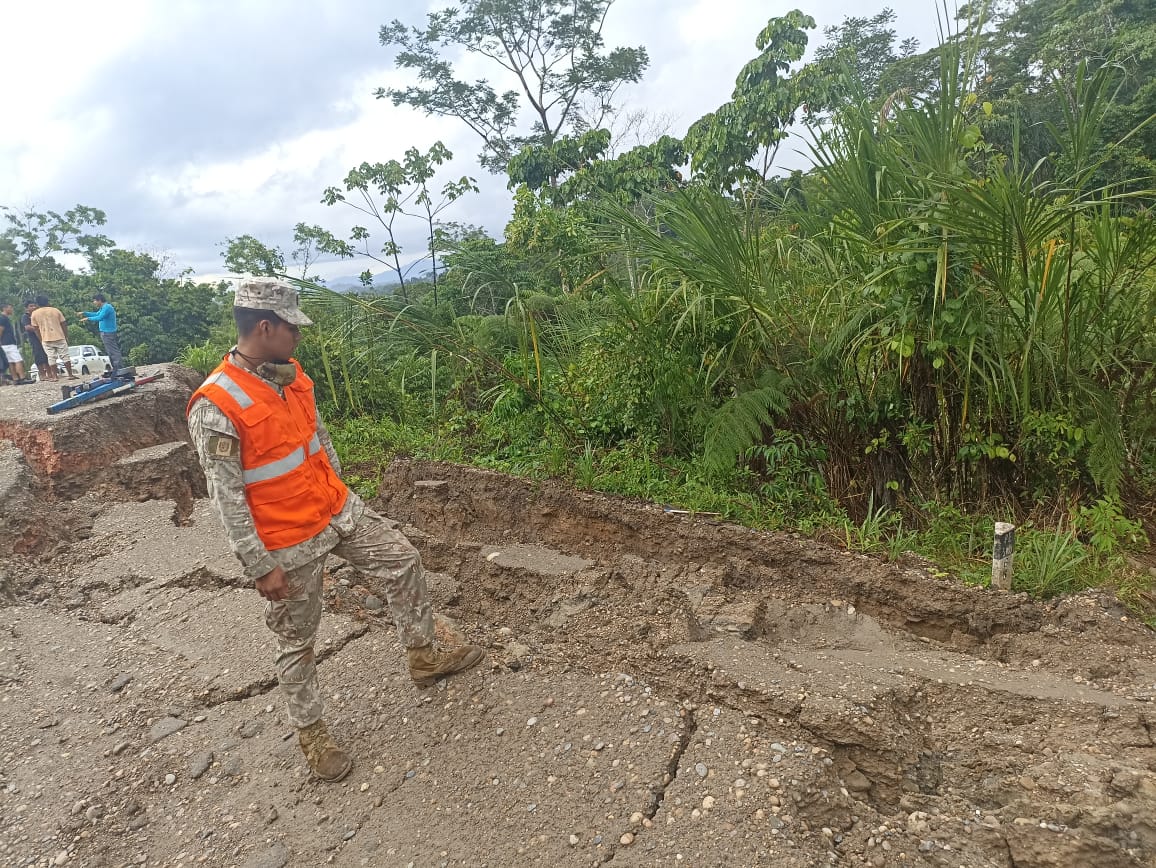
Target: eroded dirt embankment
{"x":661,"y":690}
{"x":126,"y":448}
{"x":930,"y":697}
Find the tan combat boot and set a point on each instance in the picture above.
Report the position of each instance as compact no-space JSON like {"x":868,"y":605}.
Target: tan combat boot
{"x":325,"y":758}
{"x":429,"y":663}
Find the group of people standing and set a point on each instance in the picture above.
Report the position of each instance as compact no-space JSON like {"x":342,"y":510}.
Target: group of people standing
{"x":46,"y":330}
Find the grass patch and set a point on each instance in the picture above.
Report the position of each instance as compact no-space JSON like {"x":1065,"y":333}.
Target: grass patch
{"x":1087,"y":553}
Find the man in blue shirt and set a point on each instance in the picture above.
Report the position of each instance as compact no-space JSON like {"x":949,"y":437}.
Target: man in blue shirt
{"x":104,"y":316}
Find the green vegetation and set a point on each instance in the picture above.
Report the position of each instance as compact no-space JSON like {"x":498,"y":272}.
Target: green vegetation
{"x":551,"y":51}
{"x":157,"y":314}
{"x":947,"y":319}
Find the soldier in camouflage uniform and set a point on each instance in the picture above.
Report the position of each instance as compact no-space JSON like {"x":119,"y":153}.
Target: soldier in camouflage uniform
{"x":268,"y":321}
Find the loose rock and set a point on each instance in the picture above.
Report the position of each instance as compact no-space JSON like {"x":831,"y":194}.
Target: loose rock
{"x":200,"y":763}
{"x":119,"y":683}
{"x":276,"y":856}
{"x":165,"y":727}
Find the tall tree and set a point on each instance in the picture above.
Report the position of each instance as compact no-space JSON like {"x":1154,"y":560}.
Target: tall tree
{"x":247,"y":254}
{"x":551,"y":50}
{"x":1035,"y":48}
{"x":861,"y":54}
{"x":384,"y":191}
{"x":574,"y":168}
{"x":748,"y":129}
{"x":156,"y":316}
{"x":31,"y":240}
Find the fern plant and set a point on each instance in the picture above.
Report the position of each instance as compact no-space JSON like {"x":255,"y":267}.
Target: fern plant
{"x":742,"y":422}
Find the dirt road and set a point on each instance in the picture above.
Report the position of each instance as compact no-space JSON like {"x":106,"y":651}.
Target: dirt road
{"x":660,"y":689}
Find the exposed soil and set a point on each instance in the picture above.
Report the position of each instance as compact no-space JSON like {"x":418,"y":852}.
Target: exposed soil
{"x":661,"y":689}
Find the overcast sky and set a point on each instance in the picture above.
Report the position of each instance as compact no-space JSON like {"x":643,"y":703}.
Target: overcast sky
{"x":190,"y":121}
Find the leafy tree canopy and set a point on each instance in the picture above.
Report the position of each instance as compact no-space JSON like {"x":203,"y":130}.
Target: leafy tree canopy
{"x":865,"y":50}
{"x":724,"y":143}
{"x":581,"y":161}
{"x":553,"y":50}
{"x":386,"y":191}
{"x":246,"y":254}
{"x":31,"y":240}
{"x":1036,"y":46}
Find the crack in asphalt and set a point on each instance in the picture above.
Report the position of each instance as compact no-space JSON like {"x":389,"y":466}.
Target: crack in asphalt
{"x":219,"y":695}
{"x":668,"y":778}
{"x":673,"y":764}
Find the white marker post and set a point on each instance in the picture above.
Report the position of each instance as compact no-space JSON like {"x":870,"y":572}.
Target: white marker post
{"x":1001,"y":555}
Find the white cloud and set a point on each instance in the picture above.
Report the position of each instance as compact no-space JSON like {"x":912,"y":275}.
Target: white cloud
{"x":47,"y":53}
{"x":190,"y":121}
{"x":710,"y":22}
{"x":47,"y":49}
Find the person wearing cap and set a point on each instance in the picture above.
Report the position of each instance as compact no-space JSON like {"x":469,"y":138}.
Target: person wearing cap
{"x":274,"y":481}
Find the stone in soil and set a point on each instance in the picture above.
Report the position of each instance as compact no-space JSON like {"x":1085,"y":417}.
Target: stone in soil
{"x":200,"y":763}
{"x":119,"y":683}
{"x":276,"y":856}
{"x":165,"y":727}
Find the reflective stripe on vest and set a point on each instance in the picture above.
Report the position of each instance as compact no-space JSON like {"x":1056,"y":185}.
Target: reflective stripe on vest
{"x":281,"y":466}
{"x":275,"y":468}
{"x":230,"y":385}
{"x":291,"y":487}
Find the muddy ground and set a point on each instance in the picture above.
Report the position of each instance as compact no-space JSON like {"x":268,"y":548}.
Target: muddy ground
{"x":660,"y":689}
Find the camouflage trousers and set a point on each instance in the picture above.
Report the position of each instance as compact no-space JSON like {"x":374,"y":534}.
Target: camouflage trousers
{"x":380,"y":551}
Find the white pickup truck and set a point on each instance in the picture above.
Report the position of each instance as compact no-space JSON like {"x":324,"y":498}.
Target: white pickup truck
{"x":87,"y":359}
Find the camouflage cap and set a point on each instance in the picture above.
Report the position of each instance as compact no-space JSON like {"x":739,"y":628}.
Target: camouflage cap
{"x":269,"y":293}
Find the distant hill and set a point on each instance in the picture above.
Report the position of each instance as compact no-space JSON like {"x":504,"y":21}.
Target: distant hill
{"x":382,"y":281}
{"x":352,"y":282}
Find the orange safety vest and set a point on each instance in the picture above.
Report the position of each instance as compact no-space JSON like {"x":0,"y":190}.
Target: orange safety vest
{"x":292,"y":489}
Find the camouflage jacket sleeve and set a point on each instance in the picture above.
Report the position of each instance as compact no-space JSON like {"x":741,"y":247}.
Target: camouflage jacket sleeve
{"x":219,"y":452}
